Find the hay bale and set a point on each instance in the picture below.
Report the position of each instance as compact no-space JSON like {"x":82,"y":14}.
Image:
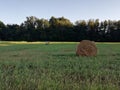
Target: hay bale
{"x":86,"y":48}
{"x":47,"y":43}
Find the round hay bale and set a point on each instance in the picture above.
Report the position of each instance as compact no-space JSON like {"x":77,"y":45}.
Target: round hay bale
{"x":86,"y":48}
{"x":47,"y":43}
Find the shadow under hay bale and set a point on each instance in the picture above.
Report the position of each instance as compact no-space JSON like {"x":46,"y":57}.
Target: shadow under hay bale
{"x":86,"y":48}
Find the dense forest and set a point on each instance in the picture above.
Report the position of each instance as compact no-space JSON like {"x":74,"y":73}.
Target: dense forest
{"x":61,"y":29}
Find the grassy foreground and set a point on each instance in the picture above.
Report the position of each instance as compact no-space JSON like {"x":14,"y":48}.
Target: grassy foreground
{"x":36,"y":66}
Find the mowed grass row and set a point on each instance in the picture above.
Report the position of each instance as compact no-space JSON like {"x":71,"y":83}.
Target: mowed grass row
{"x":56,"y":67}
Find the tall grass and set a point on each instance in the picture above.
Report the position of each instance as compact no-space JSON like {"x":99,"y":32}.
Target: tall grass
{"x":56,"y":67}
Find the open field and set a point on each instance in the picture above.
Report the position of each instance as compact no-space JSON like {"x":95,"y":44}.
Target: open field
{"x":36,"y":66}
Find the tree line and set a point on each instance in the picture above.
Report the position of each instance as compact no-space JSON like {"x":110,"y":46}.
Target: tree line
{"x":61,"y":29}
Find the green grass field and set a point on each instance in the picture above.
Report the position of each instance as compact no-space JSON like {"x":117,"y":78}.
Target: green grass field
{"x":36,"y":66}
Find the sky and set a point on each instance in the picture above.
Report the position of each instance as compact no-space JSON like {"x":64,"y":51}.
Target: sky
{"x":16,"y":11}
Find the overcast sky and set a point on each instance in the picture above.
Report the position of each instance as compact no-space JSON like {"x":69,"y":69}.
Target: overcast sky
{"x":16,"y":11}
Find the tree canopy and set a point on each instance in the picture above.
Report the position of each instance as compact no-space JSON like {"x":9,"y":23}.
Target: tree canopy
{"x":61,"y":29}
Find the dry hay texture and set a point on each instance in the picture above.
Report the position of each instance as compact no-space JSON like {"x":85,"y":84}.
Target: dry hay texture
{"x":86,"y":48}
